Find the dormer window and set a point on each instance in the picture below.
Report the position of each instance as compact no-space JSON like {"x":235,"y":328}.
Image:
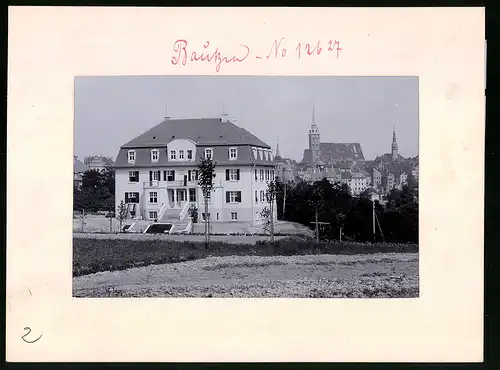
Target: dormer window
{"x":190,"y":154}
{"x":173,"y":155}
{"x":209,"y":153}
{"x":233,"y":153}
{"x":254,"y":152}
{"x":155,"y":155}
{"x":266,"y":155}
{"x":260,"y":154}
{"x":131,"y":156}
{"x":181,"y":154}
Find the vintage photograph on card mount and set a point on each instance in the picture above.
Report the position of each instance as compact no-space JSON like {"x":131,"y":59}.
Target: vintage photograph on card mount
{"x":246,"y":186}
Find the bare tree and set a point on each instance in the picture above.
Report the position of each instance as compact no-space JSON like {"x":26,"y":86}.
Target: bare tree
{"x":206,"y":175}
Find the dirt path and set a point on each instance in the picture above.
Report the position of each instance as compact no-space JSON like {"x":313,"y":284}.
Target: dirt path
{"x":375,"y":275}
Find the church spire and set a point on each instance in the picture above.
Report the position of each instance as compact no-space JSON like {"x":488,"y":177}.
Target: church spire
{"x":278,"y":148}
{"x":394,"y":147}
{"x":313,"y":117}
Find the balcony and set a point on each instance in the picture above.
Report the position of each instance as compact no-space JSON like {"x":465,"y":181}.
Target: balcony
{"x":169,"y":184}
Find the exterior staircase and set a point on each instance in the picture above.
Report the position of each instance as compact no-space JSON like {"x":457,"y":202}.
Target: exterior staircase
{"x":171,"y":216}
{"x":178,"y":218}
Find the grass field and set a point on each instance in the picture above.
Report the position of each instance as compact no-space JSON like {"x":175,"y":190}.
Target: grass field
{"x":92,"y":255}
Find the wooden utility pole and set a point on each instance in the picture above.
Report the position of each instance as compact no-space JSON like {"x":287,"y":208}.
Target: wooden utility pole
{"x":284,"y":200}
{"x":373,"y":219}
{"x":317,"y":226}
{"x":83,"y":220}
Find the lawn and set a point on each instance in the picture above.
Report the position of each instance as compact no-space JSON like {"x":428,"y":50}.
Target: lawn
{"x":92,"y":255}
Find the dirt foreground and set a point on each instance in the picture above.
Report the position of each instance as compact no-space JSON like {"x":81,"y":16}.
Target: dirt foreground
{"x":314,"y":276}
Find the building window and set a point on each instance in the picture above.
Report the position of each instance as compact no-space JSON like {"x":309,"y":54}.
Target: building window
{"x":154,"y":155}
{"x":256,"y":197}
{"x":131,"y":197}
{"x":262,"y":195}
{"x":272,"y":175}
{"x":233,"y":196}
{"x":260,"y":154}
{"x":172,"y":154}
{"x":266,"y":155}
{"x":170,"y":175}
{"x":233,"y":153}
{"x":189,"y":154}
{"x":209,"y":153}
{"x":153,"y":215}
{"x":204,"y":216}
{"x":155,"y":175}
{"x":234,"y":216}
{"x":192,"y":195}
{"x":181,"y":154}
{"x":232,"y":174}
{"x":261,"y":175}
{"x":255,"y":174}
{"x":133,"y":176}
{"x":131,"y":155}
{"x":153,"y":197}
{"x":254,"y":152}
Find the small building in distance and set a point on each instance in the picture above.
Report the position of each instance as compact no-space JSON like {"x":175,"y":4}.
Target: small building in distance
{"x":79,"y":168}
{"x":98,"y":162}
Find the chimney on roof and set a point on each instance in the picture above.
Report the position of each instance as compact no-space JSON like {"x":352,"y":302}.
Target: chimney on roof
{"x":224,"y":115}
{"x":167,"y":117}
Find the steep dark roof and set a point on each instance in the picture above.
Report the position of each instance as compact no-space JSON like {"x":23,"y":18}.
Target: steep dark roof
{"x":78,"y":166}
{"x":341,"y":151}
{"x":203,"y":131}
{"x":332,"y":152}
{"x":387,"y":158}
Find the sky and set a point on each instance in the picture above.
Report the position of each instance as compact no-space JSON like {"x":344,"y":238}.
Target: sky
{"x":112,"y":110}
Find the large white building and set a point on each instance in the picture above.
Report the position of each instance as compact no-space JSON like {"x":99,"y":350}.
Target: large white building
{"x":156,"y":172}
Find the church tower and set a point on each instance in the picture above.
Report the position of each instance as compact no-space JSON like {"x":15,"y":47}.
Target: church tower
{"x":314,"y":140}
{"x":394,"y":147}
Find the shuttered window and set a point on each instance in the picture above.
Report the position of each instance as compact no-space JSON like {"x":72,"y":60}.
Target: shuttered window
{"x":233,"y":196}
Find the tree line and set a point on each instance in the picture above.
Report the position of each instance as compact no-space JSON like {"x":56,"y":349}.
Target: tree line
{"x":97,"y":191}
{"x":345,"y":217}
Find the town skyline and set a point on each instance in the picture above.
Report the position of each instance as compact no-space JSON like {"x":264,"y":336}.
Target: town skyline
{"x":128,"y":106}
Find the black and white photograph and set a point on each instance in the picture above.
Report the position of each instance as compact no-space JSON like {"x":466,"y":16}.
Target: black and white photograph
{"x":246,"y":187}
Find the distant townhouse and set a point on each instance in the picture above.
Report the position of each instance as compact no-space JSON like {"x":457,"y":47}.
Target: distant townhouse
{"x":79,"y":168}
{"x":285,"y":168}
{"x":157,"y":172}
{"x":333,"y":175}
{"x":99,"y":163}
{"x":414,"y":171}
{"x":376,"y":178}
{"x":358,"y":183}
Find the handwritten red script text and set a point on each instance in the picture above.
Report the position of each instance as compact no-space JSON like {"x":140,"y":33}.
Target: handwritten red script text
{"x":184,"y":53}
